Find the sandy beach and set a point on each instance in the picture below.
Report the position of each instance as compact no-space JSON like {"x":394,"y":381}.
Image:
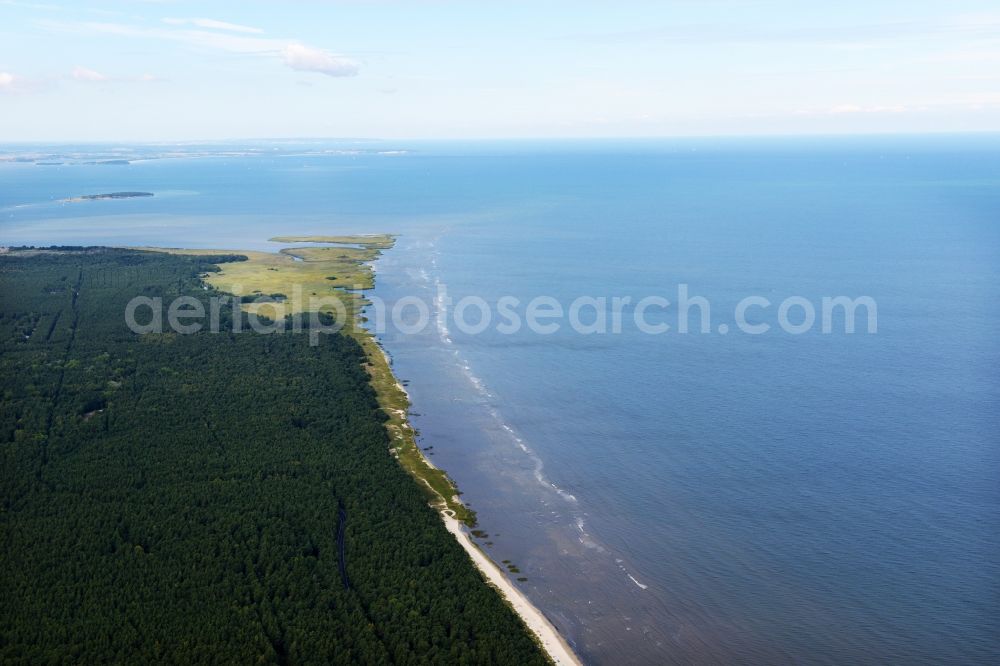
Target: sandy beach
{"x":552,"y":641}
{"x":548,"y":636}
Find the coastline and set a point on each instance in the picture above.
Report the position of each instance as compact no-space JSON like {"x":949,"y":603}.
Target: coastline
{"x":442,"y":493}
{"x":552,"y":642}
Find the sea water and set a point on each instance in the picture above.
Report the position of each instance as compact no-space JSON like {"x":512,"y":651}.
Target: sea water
{"x":707,"y":497}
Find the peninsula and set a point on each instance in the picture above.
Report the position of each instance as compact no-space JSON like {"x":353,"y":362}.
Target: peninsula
{"x":344,"y":269}
{"x":231,"y":495}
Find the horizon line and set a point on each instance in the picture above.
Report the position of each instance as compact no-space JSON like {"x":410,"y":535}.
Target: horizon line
{"x":482,"y":139}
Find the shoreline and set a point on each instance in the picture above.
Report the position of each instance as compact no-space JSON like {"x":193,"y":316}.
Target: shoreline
{"x":442,"y":492}
{"x":553,"y":643}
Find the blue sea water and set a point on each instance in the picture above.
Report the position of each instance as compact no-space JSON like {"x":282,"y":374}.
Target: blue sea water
{"x":675,"y":498}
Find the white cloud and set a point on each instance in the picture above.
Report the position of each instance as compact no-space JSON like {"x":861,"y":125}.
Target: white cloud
{"x":12,"y":84}
{"x":89,"y":75}
{"x":212,"y":24}
{"x":295,"y":55}
{"x":976,"y":102}
{"x":856,"y":108}
{"x":221,"y":41}
{"x":306,"y":59}
{"x":28,"y":5}
{"x":987,"y":21}
{"x":965,"y":56}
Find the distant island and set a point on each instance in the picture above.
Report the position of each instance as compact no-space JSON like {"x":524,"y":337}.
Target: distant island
{"x":110,"y":195}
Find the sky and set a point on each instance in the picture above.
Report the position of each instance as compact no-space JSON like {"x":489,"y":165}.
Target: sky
{"x":163,"y":70}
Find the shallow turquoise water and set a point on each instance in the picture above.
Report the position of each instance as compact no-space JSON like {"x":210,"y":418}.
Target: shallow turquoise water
{"x":810,"y":498}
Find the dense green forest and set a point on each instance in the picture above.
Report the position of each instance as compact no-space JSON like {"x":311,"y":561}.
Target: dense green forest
{"x":179,"y":498}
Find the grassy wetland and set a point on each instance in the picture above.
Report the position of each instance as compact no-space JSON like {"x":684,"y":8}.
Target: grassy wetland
{"x":326,"y":278}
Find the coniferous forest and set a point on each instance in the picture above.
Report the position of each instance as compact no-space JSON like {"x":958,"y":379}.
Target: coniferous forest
{"x":212,"y":497}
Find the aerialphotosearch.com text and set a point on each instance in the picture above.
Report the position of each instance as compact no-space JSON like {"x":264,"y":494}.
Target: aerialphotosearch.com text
{"x":683,"y":313}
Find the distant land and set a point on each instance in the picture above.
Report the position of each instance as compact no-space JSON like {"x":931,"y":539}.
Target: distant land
{"x":110,"y":195}
{"x":125,"y":155}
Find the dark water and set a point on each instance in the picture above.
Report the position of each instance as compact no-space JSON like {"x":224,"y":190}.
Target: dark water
{"x":773,"y":498}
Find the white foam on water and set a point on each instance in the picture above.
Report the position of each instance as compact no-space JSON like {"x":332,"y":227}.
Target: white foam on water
{"x":637,"y":582}
{"x":539,"y":466}
{"x":441,"y":314}
{"x":621,"y":566}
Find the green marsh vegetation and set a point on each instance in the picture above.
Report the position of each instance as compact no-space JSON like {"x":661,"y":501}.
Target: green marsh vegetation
{"x":342,"y":271}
